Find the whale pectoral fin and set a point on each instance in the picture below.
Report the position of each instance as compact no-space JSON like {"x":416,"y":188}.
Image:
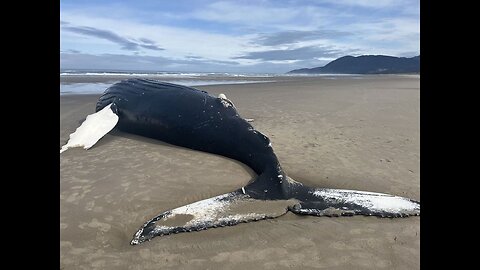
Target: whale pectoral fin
{"x":224,"y":210}
{"x":338,"y":202}
{"x":92,"y":129}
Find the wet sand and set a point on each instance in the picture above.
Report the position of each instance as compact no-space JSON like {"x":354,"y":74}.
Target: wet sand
{"x":347,"y":133}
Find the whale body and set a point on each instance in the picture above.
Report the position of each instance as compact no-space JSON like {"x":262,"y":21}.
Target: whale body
{"x":192,"y":118}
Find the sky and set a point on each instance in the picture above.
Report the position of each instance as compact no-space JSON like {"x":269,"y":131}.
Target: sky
{"x":257,"y":36}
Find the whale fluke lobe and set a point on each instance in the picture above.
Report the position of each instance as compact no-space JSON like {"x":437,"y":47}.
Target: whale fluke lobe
{"x":341,"y":202}
{"x":224,"y":210}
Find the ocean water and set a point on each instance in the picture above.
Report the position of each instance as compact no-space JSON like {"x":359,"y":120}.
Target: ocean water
{"x":183,"y":78}
{"x":170,"y":74}
{"x":163,"y":74}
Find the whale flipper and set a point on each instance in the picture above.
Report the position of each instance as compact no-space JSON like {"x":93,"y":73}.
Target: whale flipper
{"x":224,"y":210}
{"x":94,"y":127}
{"x":338,"y":202}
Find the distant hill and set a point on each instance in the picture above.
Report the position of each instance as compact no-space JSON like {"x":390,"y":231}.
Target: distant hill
{"x":366,"y":64}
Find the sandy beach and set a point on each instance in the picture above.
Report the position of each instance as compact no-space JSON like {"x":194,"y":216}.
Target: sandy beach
{"x":360,"y":133}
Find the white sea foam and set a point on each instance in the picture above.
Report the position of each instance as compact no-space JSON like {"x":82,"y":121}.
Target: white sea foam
{"x":163,"y":74}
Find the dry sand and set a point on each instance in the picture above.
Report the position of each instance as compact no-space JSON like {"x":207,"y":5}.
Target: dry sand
{"x":345,"y":133}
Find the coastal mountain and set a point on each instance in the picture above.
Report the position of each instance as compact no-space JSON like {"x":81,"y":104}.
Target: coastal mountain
{"x":366,"y":64}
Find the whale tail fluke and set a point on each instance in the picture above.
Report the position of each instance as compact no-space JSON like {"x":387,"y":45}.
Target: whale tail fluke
{"x":339,"y":202}
{"x":245,"y":205}
{"x":224,"y":210}
{"x":94,"y":127}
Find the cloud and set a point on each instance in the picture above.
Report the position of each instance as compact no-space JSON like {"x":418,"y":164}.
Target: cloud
{"x":177,"y":41}
{"x":151,"y":47}
{"x":70,"y":51}
{"x":69,"y":60}
{"x":255,"y":16}
{"x":376,"y":4}
{"x":147,"y":41}
{"x":193,"y":57}
{"x":245,"y":13}
{"x":408,"y":54}
{"x":294,"y":36}
{"x":302,"y":53}
{"x":125,"y":43}
{"x":158,"y":63}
